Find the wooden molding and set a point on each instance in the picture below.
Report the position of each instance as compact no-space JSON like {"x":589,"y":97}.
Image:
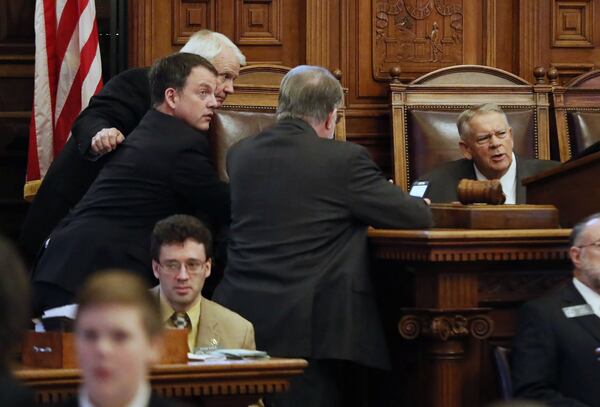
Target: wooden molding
{"x":190,"y":16}
{"x":490,"y":32}
{"x":318,"y":32}
{"x":258,"y":22}
{"x":446,"y":324}
{"x":572,"y":24}
{"x":530,"y":51}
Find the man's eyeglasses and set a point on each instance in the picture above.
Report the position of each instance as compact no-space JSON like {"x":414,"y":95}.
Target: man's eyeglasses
{"x":483,"y":139}
{"x":191,"y":266}
{"x":594,"y":244}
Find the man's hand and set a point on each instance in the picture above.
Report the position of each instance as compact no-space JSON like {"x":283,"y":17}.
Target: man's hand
{"x":106,"y":140}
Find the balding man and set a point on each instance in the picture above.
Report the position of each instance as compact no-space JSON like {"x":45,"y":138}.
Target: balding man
{"x":298,"y":257}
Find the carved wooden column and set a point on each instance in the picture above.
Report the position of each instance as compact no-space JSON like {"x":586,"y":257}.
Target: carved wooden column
{"x":317,"y":32}
{"x":445,"y":334}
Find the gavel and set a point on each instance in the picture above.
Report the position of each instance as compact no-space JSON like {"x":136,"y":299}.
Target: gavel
{"x":473,"y":191}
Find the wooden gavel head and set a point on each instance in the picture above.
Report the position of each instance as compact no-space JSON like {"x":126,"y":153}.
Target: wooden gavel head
{"x":472,"y":191}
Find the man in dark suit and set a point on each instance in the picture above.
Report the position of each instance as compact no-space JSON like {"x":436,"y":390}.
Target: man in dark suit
{"x":554,"y":357}
{"x":163,"y":168}
{"x":298,"y":257}
{"x":102,"y":126}
{"x":486,"y":142}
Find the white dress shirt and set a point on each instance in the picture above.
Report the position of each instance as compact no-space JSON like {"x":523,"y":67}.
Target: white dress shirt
{"x":590,"y":296}
{"x":141,"y":399}
{"x":508,"y":181}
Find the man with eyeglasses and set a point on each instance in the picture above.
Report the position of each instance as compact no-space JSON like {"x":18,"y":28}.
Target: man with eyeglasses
{"x":181,"y":248}
{"x":486,"y":143}
{"x":554,"y":359}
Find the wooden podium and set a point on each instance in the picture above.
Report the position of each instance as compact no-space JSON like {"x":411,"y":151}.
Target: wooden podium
{"x":450,"y":295}
{"x":574,"y":188}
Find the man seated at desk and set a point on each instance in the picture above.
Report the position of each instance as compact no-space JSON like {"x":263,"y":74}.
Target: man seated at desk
{"x":181,"y":260}
{"x":554,"y":358}
{"x":486,"y":142}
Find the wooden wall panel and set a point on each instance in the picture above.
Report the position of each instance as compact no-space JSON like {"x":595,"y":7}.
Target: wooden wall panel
{"x":16,"y":94}
{"x":267,"y":31}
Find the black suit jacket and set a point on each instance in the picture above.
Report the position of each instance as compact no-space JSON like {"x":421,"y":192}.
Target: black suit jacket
{"x":121,"y":103}
{"x":164,"y":167}
{"x":443,"y":180}
{"x":298,"y":259}
{"x":13,"y":393}
{"x":553,"y":358}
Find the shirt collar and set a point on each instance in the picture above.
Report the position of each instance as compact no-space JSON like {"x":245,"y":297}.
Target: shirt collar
{"x":590,"y":296}
{"x":508,"y":180}
{"x":141,"y":399}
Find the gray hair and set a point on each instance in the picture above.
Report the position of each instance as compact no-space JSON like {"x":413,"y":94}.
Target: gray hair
{"x":309,"y":93}
{"x":208,"y":44}
{"x":580,"y":227}
{"x":465,"y":117}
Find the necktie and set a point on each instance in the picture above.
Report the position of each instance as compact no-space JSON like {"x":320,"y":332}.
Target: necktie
{"x":181,"y":320}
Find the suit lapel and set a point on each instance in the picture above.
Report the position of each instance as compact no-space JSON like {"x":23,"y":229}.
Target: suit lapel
{"x":590,"y":323}
{"x":208,"y":327}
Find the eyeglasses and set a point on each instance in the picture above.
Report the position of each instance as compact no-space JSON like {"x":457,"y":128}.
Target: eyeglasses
{"x":191,"y":266}
{"x":594,"y":244}
{"x":483,"y":139}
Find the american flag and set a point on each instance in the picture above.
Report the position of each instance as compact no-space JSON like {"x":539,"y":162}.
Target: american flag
{"x":68,"y":73}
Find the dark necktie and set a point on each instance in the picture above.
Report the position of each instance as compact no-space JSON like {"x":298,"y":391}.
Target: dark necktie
{"x":181,"y":320}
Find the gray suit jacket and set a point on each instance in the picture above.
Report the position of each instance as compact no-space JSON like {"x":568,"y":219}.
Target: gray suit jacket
{"x":443,"y":180}
{"x":219,"y":326}
{"x":298,"y":262}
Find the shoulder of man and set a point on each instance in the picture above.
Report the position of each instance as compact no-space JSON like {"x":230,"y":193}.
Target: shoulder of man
{"x":222,"y":314}
{"x":449,"y":169}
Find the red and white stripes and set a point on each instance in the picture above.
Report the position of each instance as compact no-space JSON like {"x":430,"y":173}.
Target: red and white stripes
{"x":68,"y":73}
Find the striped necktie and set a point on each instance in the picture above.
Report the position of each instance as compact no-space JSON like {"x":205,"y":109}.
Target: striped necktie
{"x":181,"y":320}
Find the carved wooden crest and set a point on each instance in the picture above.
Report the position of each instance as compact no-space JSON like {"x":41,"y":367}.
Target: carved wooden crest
{"x":419,"y":36}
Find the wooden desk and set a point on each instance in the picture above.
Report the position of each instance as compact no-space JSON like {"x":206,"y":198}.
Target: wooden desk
{"x":227,"y":383}
{"x":459,"y":298}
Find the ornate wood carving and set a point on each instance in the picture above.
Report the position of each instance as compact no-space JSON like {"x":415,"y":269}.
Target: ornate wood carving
{"x":230,"y":381}
{"x":419,"y":36}
{"x":190,"y":16}
{"x":572,"y":23}
{"x":569,"y":70}
{"x":483,"y":245}
{"x":258,"y":22}
{"x":446,"y":324}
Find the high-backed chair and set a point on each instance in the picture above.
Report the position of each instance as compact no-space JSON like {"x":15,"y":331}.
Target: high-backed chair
{"x":501,"y":356}
{"x":424,"y":115}
{"x":577,"y":112}
{"x":251,"y":109}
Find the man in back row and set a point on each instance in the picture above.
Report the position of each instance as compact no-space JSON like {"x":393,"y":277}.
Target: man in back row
{"x":111,"y":115}
{"x":298,"y":258}
{"x":181,"y":249}
{"x":486,"y":142}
